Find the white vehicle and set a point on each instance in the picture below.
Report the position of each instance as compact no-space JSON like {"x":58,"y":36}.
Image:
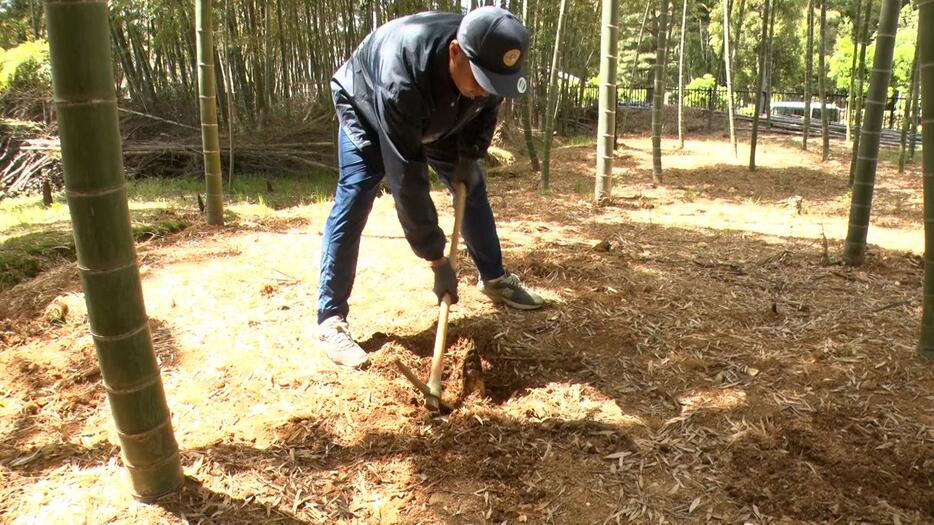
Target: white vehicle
{"x":796,"y":109}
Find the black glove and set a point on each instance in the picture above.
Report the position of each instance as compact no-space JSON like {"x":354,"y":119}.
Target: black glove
{"x":468,"y":172}
{"x":445,"y":281}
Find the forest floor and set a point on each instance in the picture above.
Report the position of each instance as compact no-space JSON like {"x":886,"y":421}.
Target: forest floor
{"x":704,"y":357}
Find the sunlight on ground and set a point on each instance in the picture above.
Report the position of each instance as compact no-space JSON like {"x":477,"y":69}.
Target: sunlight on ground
{"x":713,"y":399}
{"x":569,"y":402}
{"x":794,"y":216}
{"x":78,"y":495}
{"x":772,"y":221}
{"x":628,"y":397}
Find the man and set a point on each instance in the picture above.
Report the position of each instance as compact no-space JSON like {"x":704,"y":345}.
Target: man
{"x":420,"y":90}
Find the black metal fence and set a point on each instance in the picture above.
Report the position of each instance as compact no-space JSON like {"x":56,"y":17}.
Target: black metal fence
{"x":715,"y":99}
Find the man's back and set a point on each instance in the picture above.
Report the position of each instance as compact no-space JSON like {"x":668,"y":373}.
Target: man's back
{"x":404,"y":57}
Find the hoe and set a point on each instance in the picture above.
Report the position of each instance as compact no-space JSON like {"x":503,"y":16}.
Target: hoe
{"x":432,"y":390}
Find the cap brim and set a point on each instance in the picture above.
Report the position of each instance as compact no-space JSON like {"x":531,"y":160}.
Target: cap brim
{"x":500,"y":85}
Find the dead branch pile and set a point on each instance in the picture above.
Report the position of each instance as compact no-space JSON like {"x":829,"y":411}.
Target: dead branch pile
{"x":153,"y":146}
{"x":24,"y":170}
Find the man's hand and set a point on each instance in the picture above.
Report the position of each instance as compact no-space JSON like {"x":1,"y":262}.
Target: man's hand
{"x":467,"y":171}
{"x":445,"y":279}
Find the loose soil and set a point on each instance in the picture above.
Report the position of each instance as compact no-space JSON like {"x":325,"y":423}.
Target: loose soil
{"x":704,"y":357}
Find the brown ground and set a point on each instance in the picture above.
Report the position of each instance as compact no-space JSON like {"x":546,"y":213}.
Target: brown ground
{"x":711,"y":360}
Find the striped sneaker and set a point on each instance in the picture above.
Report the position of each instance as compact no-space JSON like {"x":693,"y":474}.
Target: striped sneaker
{"x":509,"y":290}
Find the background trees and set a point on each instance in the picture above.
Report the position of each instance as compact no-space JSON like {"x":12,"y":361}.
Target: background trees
{"x":273,"y":62}
{"x":274,"y":59}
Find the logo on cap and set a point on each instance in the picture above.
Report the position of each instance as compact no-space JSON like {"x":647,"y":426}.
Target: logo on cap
{"x":522,"y":85}
{"x":511,"y":57}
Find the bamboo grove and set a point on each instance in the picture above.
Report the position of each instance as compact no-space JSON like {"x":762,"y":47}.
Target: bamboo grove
{"x":277,"y":57}
{"x":274,"y":59}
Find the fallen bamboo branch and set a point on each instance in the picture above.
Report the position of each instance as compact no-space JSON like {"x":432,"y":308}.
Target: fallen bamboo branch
{"x":131,"y":112}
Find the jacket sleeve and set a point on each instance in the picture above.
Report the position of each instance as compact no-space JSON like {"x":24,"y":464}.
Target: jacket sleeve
{"x":401,"y":113}
{"x":477,"y":135}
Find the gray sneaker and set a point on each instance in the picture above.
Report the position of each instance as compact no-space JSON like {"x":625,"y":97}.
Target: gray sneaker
{"x":508,"y":289}
{"x":335,"y":338}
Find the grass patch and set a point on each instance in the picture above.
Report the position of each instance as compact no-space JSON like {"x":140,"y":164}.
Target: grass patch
{"x":890,"y":154}
{"x":25,"y":256}
{"x":287,"y":191}
{"x":34,"y":238}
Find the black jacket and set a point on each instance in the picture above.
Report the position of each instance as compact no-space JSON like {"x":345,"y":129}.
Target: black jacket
{"x":395,"y":94}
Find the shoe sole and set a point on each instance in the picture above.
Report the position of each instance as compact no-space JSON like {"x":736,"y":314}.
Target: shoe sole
{"x":359,"y":366}
{"x":513,"y":304}
{"x":363,"y":365}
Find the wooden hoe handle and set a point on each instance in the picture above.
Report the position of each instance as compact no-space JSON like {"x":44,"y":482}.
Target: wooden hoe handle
{"x":437,"y":359}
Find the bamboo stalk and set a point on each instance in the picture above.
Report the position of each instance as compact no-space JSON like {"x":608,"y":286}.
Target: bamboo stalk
{"x":214,"y":183}
{"x":635,"y":58}
{"x":926,"y":75}
{"x":526,"y":106}
{"x":850,"y":99}
{"x":865,"y":177}
{"x":729,"y":81}
{"x":808,"y":76}
{"x":760,"y":80}
{"x":606,"y":125}
{"x":551,"y":100}
{"x":82,"y":78}
{"x":909,"y":107}
{"x":822,"y":83}
{"x":684,"y":21}
{"x":659,"y":98}
{"x":860,"y":105}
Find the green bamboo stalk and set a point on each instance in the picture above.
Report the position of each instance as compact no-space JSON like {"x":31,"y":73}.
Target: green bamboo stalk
{"x":552,"y":100}
{"x":214,"y":183}
{"x":729,"y":78}
{"x":854,"y":252}
{"x":526,"y":106}
{"x":822,"y":83}
{"x":769,"y":67}
{"x":909,"y":110}
{"x":808,"y":76}
{"x":760,"y":81}
{"x":926,"y":74}
{"x":606,"y":125}
{"x":82,"y":79}
{"x":684,"y":21}
{"x":915,"y":116}
{"x":849,"y":105}
{"x":659,"y":102}
{"x":860,"y":100}
{"x":737,"y":34}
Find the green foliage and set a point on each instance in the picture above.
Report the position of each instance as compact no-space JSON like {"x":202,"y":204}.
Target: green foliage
{"x":26,"y":67}
{"x":840,"y":61}
{"x":705,"y":82}
{"x":905,"y":41}
{"x":701,"y":86}
{"x":15,"y":18}
{"x":787,"y":48}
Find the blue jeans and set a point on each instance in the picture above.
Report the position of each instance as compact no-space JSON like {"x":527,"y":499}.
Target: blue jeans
{"x":357,"y":186}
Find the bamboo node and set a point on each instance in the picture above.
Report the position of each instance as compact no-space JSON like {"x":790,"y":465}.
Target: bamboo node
{"x":125,"y":335}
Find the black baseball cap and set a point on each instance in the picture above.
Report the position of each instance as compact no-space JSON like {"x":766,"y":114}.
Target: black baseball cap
{"x":496,"y":43}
